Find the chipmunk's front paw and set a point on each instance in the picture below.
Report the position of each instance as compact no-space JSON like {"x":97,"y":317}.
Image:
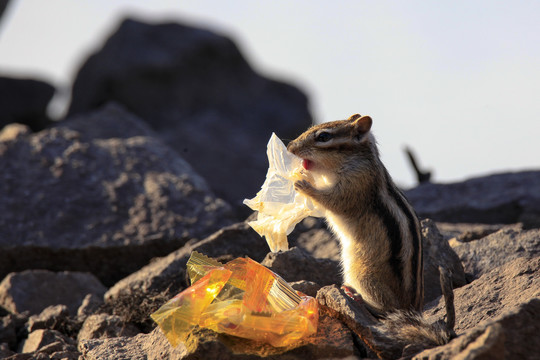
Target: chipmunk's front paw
{"x":304,"y":186}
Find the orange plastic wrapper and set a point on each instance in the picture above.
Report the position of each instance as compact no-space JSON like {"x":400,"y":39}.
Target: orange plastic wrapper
{"x":241,"y":298}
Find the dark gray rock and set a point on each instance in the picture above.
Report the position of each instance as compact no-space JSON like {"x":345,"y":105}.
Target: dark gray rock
{"x":295,"y":264}
{"x":509,"y":336}
{"x":481,"y":256}
{"x":5,"y":350}
{"x":55,"y":317}
{"x":8,"y":331}
{"x":104,"y":206}
{"x":197,"y":91}
{"x":457,"y":233}
{"x":110,"y":121}
{"x":90,"y":304}
{"x":25,"y":101}
{"x":34,"y":290}
{"x":502,"y":289}
{"x":169,"y":273}
{"x":102,"y":326}
{"x":41,"y":338}
{"x":496,"y":199}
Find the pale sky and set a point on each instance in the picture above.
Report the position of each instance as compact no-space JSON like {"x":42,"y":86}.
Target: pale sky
{"x":458,"y":81}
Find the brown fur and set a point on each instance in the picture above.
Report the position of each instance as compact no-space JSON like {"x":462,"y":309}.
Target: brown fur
{"x":351,"y":158}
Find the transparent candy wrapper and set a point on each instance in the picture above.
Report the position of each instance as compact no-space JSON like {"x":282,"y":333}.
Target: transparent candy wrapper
{"x":241,"y":298}
{"x":280,"y":207}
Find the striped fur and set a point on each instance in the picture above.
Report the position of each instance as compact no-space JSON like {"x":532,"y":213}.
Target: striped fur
{"x":378,"y":230}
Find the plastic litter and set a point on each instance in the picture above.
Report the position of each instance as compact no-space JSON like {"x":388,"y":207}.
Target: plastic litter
{"x":241,"y":298}
{"x":280,"y":207}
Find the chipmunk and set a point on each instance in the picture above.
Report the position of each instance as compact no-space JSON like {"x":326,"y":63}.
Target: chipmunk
{"x":379,"y":232}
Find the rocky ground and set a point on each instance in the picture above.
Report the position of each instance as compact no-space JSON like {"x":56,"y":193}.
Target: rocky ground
{"x":165,"y":136}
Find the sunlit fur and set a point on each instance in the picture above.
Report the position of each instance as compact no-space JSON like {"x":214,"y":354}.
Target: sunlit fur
{"x":361,"y":205}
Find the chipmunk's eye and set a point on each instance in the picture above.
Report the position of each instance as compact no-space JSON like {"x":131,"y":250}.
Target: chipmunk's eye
{"x":323,"y":137}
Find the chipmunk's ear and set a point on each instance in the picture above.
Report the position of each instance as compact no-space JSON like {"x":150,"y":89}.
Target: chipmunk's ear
{"x":361,"y":123}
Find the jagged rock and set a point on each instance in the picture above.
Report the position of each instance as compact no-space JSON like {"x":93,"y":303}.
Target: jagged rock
{"x":199,"y":93}
{"x":54,"y":317}
{"x":320,"y":243}
{"x":497,"y":199}
{"x":437,"y":253}
{"x":462,"y":232}
{"x":110,"y":121}
{"x":482,"y":256}
{"x":169,"y":272}
{"x":13,"y":131}
{"x":509,"y":336}
{"x":34,"y":290}
{"x":90,"y":304}
{"x":104,"y":206}
{"x":25,"y":101}
{"x":500,"y":290}
{"x":8,"y":331}
{"x":309,"y":288}
{"x":38,"y":339}
{"x":332,"y":341}
{"x":101,"y":326}
{"x":5,"y":352}
{"x":295,"y":264}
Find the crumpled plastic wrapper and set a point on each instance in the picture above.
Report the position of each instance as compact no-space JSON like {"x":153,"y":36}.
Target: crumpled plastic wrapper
{"x":279,"y":205}
{"x":241,"y":298}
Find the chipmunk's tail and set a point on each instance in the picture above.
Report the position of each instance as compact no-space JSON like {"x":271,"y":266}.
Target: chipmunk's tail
{"x":409,"y":329}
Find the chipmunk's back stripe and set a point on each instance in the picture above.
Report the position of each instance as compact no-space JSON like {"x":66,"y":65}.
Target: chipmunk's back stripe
{"x":416,"y":260}
{"x":393,"y":231}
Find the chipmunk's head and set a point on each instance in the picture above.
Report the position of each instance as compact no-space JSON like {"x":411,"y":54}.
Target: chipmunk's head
{"x":326,"y":147}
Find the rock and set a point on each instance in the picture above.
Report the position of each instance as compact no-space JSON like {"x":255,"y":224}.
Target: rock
{"x":500,"y":290}
{"x":332,"y":341}
{"x":482,"y":256}
{"x":169,"y":272}
{"x":295,"y":264}
{"x":462,"y":232}
{"x":320,"y":243}
{"x":437,"y":253}
{"x":54,"y":317}
{"x":153,"y":346}
{"x":38,"y":339}
{"x":25,"y":101}
{"x":90,"y":304}
{"x":103,"y":206}
{"x":34,"y":290}
{"x":110,"y":121}
{"x":506,"y":337}
{"x":102,"y":326}
{"x":197,"y":91}
{"x":309,"y":288}
{"x":12,"y":329}
{"x":5,"y":352}
{"x":497,"y":199}
{"x":13,"y":131}
{"x":8,"y":331}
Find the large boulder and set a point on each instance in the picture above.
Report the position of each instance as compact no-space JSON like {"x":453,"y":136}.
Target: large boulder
{"x":490,"y":252}
{"x":501,"y":198}
{"x":195,"y":88}
{"x":169,"y":272}
{"x":73,"y":202}
{"x":24,"y":101}
{"x":35,"y":290}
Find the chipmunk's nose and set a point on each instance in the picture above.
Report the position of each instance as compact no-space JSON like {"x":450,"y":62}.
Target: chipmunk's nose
{"x":291,"y":146}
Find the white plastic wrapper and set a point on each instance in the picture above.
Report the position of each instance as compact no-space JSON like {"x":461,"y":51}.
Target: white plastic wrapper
{"x":280,"y":207}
